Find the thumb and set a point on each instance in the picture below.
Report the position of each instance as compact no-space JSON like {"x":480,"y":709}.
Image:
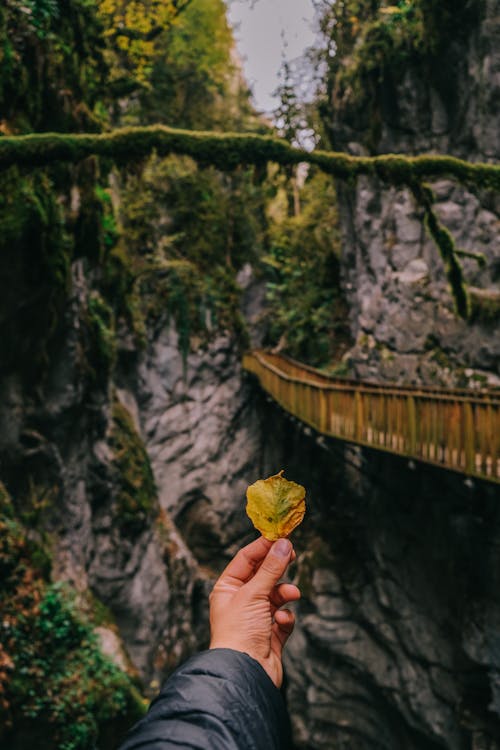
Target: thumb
{"x":273,"y":567}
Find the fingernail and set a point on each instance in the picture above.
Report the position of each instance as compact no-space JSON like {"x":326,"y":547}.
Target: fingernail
{"x":281,"y":548}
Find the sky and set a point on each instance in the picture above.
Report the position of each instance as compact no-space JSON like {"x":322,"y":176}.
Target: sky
{"x":259,"y":26}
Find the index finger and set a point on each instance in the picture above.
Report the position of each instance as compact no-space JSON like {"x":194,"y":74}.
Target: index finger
{"x":247,"y":560}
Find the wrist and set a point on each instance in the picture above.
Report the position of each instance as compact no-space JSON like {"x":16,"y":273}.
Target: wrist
{"x":274,"y":671}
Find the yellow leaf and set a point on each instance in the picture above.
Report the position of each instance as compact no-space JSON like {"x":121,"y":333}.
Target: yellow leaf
{"x":275,"y":506}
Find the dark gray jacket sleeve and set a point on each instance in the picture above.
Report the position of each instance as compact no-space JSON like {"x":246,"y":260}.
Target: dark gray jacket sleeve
{"x":217,"y":700}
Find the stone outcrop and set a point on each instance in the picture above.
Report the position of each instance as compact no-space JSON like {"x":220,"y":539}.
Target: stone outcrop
{"x":201,"y":434}
{"x":401,"y":311}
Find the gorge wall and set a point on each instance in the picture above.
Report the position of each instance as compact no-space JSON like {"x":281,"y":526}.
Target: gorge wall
{"x":443,"y":100}
{"x":396,"y":644}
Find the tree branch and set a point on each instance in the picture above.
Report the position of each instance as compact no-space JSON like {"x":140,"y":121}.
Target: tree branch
{"x":228,"y":150}
{"x":446,"y":246}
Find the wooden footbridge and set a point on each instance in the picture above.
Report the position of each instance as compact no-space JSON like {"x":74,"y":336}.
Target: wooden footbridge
{"x":451,"y":428}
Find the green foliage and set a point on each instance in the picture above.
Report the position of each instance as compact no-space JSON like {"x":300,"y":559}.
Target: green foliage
{"x":136,"y":496}
{"x":200,"y":303}
{"x":56,"y":687}
{"x":222,"y":222}
{"x":191,"y":214}
{"x":109,"y":228}
{"x":174,"y":62}
{"x":188,"y":231}
{"x":132,"y":29}
{"x":194,"y":82}
{"x":306,"y":310}
{"x":164,"y":54}
{"x":39,"y":238}
{"x":51,"y":65}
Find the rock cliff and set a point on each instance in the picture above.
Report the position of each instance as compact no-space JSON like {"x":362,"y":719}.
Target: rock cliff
{"x":135,"y":479}
{"x":397,"y":638}
{"x":401,"y":312}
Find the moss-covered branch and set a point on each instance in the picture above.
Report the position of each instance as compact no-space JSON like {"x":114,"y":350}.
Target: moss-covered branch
{"x":480,"y":258}
{"x":227,"y":150}
{"x":446,"y":246}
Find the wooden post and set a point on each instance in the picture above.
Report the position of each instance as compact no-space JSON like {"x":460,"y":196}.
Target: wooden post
{"x":469,"y":438}
{"x":358,"y":425}
{"x":323,"y":412}
{"x":494,"y":440}
{"x":412,"y":426}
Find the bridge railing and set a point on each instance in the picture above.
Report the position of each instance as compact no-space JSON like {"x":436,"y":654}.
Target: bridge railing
{"x":456,"y":429}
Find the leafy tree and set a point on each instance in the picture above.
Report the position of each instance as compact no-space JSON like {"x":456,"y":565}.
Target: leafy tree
{"x":133,"y":26}
{"x":52,"y":67}
{"x":195,"y":80}
{"x":307,"y":312}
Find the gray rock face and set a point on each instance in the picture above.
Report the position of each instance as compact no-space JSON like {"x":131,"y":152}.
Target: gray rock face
{"x":195,"y":418}
{"x":396,"y":641}
{"x":401,"y":312}
{"x":55,"y":445}
{"x":203,"y":441}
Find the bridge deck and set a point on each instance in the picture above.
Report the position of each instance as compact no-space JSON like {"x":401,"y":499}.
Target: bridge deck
{"x":455,"y":429}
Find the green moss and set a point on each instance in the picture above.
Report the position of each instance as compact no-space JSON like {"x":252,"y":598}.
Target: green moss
{"x":109,"y":228}
{"x":199,"y":303}
{"x":120,"y":271}
{"x":51,"y":64}
{"x":136,"y":496}
{"x":228,"y":150}
{"x":480,"y":258}
{"x":101,"y":352}
{"x":98,"y":612}
{"x":485,"y":306}
{"x":57,"y":688}
{"x":386,"y":44}
{"x":175,"y":287}
{"x":447,"y":248}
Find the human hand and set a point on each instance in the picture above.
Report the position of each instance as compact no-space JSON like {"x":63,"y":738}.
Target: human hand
{"x":245,"y":603}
